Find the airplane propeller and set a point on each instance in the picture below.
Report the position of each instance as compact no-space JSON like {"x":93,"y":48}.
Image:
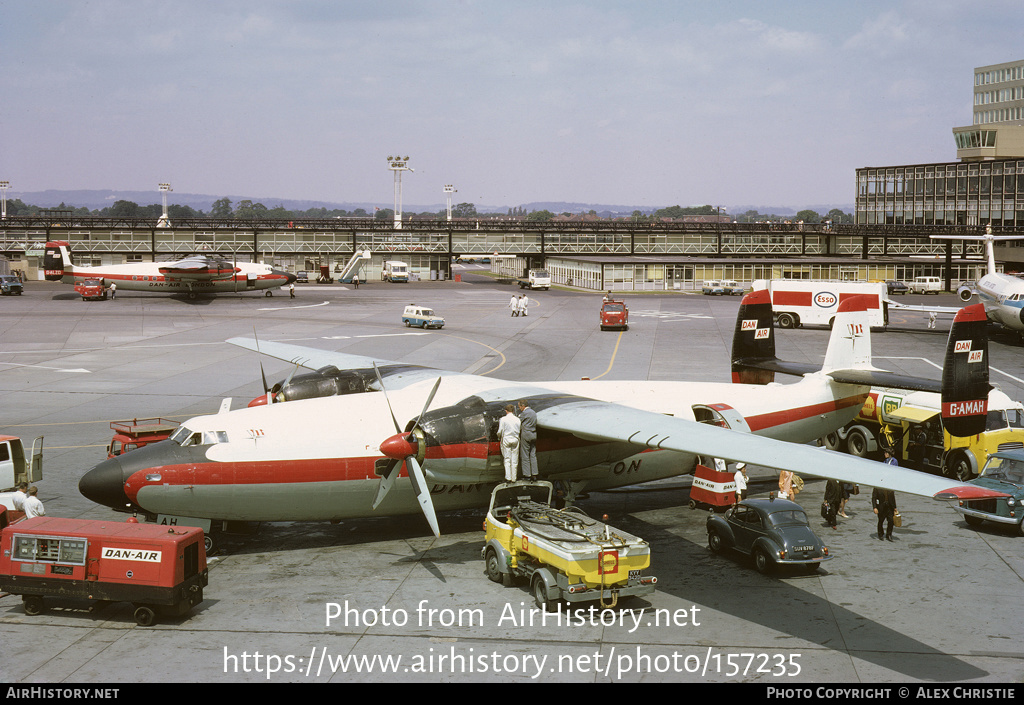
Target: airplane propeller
{"x":269,"y":392}
{"x":408,"y":447}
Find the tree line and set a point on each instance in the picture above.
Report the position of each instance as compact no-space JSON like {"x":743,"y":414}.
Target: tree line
{"x":246,"y":209}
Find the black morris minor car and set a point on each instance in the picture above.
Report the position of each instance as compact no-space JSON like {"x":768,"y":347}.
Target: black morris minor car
{"x":774,"y":532}
{"x":1003,"y":472}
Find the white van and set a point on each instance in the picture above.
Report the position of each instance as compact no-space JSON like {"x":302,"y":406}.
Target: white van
{"x":926,"y":285}
{"x":422,"y":317}
{"x":394,"y":271}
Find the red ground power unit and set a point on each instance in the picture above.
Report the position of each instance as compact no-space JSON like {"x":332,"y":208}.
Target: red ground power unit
{"x":161,"y":570}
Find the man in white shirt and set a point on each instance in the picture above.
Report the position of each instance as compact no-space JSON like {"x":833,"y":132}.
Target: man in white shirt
{"x":508,"y":433}
{"x":18,"y":499}
{"x":524,"y":302}
{"x":514,"y":305}
{"x":33,"y":507}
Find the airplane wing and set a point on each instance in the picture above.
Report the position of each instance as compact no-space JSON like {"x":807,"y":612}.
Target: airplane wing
{"x":398,"y":374}
{"x":602,"y":421}
{"x":944,"y":310}
{"x":198,"y":268}
{"x":310,"y":358}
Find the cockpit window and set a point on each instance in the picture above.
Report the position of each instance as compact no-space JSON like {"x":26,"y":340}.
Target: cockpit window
{"x":186,"y":437}
{"x":180,"y":435}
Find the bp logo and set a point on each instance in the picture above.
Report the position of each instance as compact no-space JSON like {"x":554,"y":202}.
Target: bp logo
{"x":889,"y":405}
{"x":825,"y":299}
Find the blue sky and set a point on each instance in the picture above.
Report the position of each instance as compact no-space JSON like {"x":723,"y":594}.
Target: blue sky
{"x":626,"y":103}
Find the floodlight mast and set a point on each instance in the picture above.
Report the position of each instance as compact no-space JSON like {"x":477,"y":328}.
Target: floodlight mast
{"x":448,"y":191}
{"x":164,"y":221}
{"x":4,"y":185}
{"x":398,"y":165}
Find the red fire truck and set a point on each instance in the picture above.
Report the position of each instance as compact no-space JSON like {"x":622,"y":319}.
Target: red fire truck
{"x":159,"y":569}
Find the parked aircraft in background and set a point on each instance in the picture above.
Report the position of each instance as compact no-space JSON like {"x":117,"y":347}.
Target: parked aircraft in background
{"x":338,"y":457}
{"x":195,"y":274}
{"x":1001,"y":294}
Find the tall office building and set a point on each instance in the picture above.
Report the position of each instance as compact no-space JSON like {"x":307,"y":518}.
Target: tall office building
{"x":985,"y":186}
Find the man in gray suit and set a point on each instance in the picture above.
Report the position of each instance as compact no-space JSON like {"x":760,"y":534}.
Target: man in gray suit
{"x":527,"y":441}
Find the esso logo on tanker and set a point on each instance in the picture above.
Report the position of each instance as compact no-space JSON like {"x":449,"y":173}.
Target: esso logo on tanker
{"x":825,"y":299}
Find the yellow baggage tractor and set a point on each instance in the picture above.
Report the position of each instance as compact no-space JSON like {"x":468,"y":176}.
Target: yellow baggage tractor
{"x":562,"y":553}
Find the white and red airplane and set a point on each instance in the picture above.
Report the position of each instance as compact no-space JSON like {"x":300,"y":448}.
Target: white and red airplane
{"x":192,"y":275}
{"x":337,"y":457}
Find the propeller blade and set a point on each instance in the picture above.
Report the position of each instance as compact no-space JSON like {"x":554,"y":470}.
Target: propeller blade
{"x":419,"y":485}
{"x":384,"y":389}
{"x":263,"y":375}
{"x":430,"y":398}
{"x":387,"y":480}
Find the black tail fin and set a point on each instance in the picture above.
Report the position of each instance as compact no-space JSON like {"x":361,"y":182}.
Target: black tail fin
{"x":753,"y":344}
{"x":53,"y":260}
{"x":965,"y":385}
{"x":753,"y":341}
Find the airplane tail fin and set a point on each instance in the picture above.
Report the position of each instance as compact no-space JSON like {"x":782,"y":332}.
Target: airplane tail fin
{"x":754,"y":339}
{"x":753,"y":343}
{"x":965,"y":373}
{"x":849,"y":347}
{"x":57,"y":261}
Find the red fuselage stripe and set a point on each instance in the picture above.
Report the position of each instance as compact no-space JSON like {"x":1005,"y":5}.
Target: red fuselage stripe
{"x":786,"y":416}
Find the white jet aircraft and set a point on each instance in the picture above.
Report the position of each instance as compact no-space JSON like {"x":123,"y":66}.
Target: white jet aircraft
{"x":1002,"y":294}
{"x":192,"y":275}
{"x":337,"y":457}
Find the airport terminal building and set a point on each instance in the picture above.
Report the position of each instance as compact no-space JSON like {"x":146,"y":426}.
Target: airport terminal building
{"x":986,"y":185}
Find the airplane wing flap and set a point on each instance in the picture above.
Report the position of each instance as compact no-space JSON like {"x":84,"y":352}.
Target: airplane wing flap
{"x":594,"y":420}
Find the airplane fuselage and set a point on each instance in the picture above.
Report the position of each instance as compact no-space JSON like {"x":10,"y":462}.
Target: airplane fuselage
{"x":1003,"y":297}
{"x":147,"y":277}
{"x":319,"y":459}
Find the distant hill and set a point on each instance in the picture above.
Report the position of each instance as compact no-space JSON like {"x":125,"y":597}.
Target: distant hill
{"x":98,"y":199}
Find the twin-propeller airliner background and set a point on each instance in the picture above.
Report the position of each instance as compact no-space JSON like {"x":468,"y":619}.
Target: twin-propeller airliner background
{"x":192,"y":275}
{"x":316,"y":457}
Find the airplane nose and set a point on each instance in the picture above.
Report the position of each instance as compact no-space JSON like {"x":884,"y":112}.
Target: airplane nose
{"x":104,"y":484}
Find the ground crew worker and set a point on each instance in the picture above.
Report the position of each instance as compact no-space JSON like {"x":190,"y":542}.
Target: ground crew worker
{"x":19,"y":497}
{"x":514,"y":305}
{"x":527,"y":441}
{"x":33,"y":507}
{"x":508,"y":434}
